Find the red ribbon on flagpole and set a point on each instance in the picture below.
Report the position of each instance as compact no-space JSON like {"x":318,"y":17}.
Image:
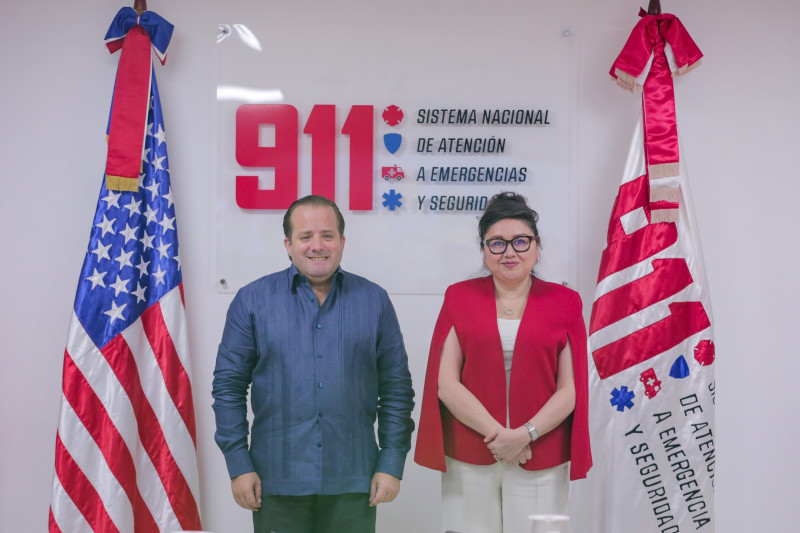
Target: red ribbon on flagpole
{"x":658,"y":48}
{"x":134,"y":32}
{"x":129,"y":112}
{"x":645,"y":55}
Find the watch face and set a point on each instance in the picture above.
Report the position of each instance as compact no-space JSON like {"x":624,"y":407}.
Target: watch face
{"x":532,"y":431}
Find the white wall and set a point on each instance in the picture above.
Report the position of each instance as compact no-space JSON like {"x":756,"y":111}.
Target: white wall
{"x":738,"y":116}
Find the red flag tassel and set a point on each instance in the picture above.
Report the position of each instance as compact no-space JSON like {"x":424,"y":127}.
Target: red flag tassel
{"x":126,"y":132}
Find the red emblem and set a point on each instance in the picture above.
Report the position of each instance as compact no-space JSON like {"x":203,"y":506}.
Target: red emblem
{"x":652,"y":385}
{"x":704,"y":352}
{"x":392,"y":115}
{"x":393,"y":173}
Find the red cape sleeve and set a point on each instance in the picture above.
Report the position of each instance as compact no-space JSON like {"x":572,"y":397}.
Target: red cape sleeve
{"x":429,"y":451}
{"x":580,"y":452}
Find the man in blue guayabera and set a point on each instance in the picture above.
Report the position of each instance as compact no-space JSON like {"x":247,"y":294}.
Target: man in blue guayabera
{"x":322,"y":352}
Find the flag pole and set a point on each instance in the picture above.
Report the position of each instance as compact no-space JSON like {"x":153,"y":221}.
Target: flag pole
{"x":653,"y":9}
{"x":141,"y":6}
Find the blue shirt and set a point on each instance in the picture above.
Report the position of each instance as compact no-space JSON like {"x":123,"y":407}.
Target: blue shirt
{"x":320,"y":376}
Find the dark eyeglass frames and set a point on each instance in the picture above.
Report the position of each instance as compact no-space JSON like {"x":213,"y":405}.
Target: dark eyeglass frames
{"x":520,"y":243}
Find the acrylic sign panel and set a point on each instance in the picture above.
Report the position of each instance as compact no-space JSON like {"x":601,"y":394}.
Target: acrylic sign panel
{"x":410,"y":125}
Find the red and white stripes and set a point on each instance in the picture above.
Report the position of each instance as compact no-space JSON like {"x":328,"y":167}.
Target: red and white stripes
{"x":126,"y":450}
{"x":647,"y":300}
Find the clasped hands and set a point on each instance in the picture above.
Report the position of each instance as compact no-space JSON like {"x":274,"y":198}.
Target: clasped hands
{"x":510,"y":446}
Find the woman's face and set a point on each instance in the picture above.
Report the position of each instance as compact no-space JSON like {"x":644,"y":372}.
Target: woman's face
{"x":511,"y":266}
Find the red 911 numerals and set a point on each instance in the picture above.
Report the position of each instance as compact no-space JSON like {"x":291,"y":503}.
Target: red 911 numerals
{"x":284,"y":155}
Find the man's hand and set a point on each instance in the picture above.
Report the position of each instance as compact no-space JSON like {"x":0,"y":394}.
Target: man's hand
{"x":246,"y":490}
{"x":383,"y":489}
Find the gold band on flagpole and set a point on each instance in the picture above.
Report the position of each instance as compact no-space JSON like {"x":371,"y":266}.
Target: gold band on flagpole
{"x":140,"y":6}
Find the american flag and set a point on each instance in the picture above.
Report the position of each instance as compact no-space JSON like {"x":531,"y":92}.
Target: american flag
{"x":651,"y":373}
{"x":126,"y":446}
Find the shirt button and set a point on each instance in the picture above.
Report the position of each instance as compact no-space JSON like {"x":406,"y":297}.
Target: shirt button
{"x":319,"y":384}
{"x":310,"y":298}
{"x":319,"y":445}
{"x":319,"y":356}
{"x":319,"y":326}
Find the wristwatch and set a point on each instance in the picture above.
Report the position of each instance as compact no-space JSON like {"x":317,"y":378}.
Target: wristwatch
{"x":531,"y":431}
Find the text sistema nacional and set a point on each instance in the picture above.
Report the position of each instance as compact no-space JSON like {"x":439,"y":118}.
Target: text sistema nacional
{"x":485,"y":116}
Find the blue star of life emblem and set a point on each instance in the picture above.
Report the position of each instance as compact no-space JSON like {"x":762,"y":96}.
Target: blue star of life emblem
{"x":391,"y":199}
{"x":622,"y":398}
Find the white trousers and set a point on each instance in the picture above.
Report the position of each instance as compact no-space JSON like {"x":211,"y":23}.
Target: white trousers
{"x":499,"y":498}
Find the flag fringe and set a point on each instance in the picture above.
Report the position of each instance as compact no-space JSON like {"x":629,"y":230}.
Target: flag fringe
{"x":664,"y":170}
{"x":665,"y":194}
{"x":121,"y":183}
{"x":626,"y":81}
{"x":663,"y":215}
{"x":685,"y":69}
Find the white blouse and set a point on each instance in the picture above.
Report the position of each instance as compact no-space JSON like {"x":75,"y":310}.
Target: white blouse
{"x":508,"y":336}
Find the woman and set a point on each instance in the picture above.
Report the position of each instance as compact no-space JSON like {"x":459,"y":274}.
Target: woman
{"x":505,"y":406}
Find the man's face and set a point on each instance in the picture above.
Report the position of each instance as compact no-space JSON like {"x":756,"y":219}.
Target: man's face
{"x":315,"y":246}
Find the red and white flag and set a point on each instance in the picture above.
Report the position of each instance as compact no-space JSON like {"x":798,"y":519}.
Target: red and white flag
{"x":125,"y":458}
{"x":651,"y":338}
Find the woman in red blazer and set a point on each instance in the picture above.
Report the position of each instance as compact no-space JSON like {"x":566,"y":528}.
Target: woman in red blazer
{"x":505,"y":407}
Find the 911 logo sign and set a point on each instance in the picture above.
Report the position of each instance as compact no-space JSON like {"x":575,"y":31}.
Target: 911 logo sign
{"x":283,"y":156}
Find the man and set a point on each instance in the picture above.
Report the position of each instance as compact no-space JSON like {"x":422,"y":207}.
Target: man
{"x":323,"y":352}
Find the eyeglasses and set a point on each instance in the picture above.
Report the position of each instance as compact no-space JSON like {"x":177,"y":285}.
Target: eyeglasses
{"x":520,"y":243}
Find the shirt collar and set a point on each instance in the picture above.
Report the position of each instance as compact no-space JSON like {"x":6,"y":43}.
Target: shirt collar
{"x":296,"y":277}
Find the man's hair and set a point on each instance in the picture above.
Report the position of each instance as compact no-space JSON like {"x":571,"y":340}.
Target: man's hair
{"x":316,"y":201}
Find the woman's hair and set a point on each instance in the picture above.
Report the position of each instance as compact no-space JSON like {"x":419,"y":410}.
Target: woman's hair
{"x":507,"y":205}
